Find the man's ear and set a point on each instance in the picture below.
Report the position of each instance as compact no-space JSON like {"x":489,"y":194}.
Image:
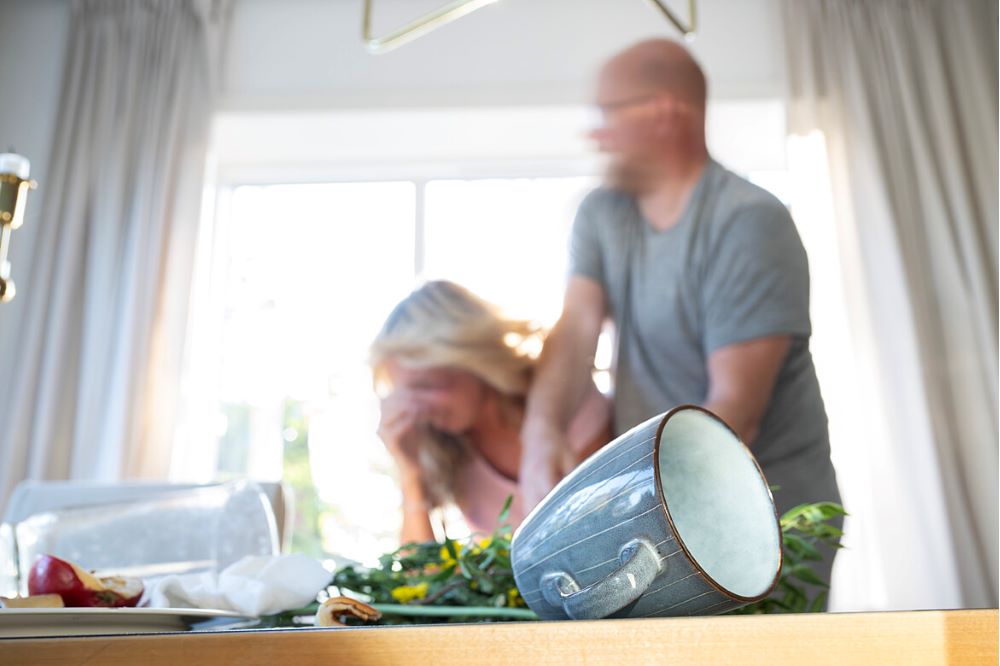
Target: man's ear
{"x":669,"y":110}
{"x":666,"y":107}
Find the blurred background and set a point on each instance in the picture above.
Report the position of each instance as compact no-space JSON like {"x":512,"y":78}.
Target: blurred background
{"x":328,"y":182}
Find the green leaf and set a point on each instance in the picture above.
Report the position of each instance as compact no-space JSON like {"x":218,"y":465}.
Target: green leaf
{"x":793,"y":513}
{"x":827,"y":533}
{"x":790,"y":588}
{"x":801,"y":547}
{"x":775,"y":602}
{"x":505,"y":511}
{"x":830,"y":509}
{"x":488,"y":560}
{"x":804,"y":573}
{"x":812,"y":515}
{"x":465,"y":569}
{"x":442,"y":575}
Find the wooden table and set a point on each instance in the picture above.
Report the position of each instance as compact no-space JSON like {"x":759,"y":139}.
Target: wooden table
{"x":963,"y":638}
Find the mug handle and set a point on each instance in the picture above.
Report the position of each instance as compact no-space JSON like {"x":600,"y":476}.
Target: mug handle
{"x":638,"y":565}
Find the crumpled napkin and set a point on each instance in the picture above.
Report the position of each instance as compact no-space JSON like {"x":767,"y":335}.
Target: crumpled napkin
{"x":254,"y":586}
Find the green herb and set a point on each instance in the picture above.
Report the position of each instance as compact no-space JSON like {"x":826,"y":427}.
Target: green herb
{"x":422,"y":583}
{"x":440,"y":582}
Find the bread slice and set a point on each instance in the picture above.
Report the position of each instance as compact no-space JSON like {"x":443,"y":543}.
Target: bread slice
{"x":34,"y":601}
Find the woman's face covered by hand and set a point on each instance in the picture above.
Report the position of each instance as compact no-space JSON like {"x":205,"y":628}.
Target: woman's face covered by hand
{"x":442,"y":398}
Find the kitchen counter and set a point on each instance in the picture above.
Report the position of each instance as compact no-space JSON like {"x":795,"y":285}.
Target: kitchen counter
{"x":963,"y":637}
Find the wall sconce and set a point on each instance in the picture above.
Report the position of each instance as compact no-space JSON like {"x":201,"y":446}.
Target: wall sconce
{"x":14,"y":186}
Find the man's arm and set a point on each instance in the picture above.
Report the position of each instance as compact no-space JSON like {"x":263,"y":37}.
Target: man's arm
{"x":560,"y":384}
{"x":741,"y":380}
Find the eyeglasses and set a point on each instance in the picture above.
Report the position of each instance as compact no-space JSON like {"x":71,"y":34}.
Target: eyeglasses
{"x":609,"y":110}
{"x":611,"y":107}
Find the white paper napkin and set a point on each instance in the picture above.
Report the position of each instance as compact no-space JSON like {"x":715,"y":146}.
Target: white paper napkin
{"x":253,"y":586}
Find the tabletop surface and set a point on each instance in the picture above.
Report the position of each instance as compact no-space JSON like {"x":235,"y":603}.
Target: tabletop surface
{"x":912,"y":637}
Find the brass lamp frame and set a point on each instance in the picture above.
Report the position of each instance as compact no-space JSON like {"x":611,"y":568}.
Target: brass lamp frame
{"x":687,"y":29}
{"x":456,"y":9}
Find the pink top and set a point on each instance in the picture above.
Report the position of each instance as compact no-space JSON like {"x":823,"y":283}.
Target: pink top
{"x":482,"y":506}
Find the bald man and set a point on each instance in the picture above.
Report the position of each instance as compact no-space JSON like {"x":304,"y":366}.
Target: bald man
{"x":705,"y":279}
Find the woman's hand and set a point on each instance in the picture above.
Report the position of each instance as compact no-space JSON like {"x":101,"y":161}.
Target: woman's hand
{"x":400,"y":424}
{"x":402,"y":421}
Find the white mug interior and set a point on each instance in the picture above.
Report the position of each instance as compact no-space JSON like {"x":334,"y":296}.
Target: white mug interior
{"x":719,"y":503}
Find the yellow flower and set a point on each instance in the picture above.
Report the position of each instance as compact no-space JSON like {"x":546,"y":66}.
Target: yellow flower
{"x":514,"y":598}
{"x":446,"y":559}
{"x":407,"y":593}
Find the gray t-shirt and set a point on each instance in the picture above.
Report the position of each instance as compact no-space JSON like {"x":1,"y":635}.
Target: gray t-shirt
{"x":732,"y":269}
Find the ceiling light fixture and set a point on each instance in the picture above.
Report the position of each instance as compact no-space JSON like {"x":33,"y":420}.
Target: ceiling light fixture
{"x":456,"y":9}
{"x":419,"y":27}
{"x":688,"y":29}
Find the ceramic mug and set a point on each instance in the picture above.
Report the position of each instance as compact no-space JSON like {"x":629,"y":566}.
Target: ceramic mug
{"x":672,"y":518}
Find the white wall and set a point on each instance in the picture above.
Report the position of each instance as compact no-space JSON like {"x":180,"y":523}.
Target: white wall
{"x":351,"y":144}
{"x":309,"y":54}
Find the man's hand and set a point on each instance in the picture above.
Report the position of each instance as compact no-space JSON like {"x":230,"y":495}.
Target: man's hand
{"x":561,"y":381}
{"x":543,"y":452}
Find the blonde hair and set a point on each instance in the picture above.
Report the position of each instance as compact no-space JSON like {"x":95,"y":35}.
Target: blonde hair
{"x":442,"y":324}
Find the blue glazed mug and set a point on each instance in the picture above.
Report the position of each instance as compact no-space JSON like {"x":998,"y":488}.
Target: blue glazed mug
{"x":672,"y":518}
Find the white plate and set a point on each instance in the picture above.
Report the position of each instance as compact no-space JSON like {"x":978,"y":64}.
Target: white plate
{"x":23,"y":622}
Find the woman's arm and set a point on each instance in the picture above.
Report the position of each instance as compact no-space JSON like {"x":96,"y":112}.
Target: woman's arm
{"x":398,"y":429}
{"x":416,"y":510}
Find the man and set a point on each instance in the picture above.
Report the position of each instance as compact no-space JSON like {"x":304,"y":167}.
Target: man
{"x":705,"y":279}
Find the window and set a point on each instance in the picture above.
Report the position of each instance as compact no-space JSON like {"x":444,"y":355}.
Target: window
{"x":302,"y":277}
{"x":504,"y":238}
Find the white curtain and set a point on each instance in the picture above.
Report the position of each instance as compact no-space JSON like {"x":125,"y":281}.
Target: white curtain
{"x":905,"y":94}
{"x":93,"y":389}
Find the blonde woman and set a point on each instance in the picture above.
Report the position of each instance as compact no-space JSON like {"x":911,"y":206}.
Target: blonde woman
{"x":453,"y":374}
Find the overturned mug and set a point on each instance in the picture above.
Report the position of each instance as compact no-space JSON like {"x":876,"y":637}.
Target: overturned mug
{"x":672,"y":518}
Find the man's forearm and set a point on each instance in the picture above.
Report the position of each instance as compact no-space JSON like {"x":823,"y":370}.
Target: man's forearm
{"x":558,"y":389}
{"x":746,"y":422}
{"x":741,"y":380}
{"x":561,"y":380}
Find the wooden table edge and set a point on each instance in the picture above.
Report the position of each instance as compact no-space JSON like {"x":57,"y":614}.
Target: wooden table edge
{"x":897,"y":637}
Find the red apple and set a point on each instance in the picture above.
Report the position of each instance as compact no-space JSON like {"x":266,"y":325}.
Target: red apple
{"x":80,"y":588}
